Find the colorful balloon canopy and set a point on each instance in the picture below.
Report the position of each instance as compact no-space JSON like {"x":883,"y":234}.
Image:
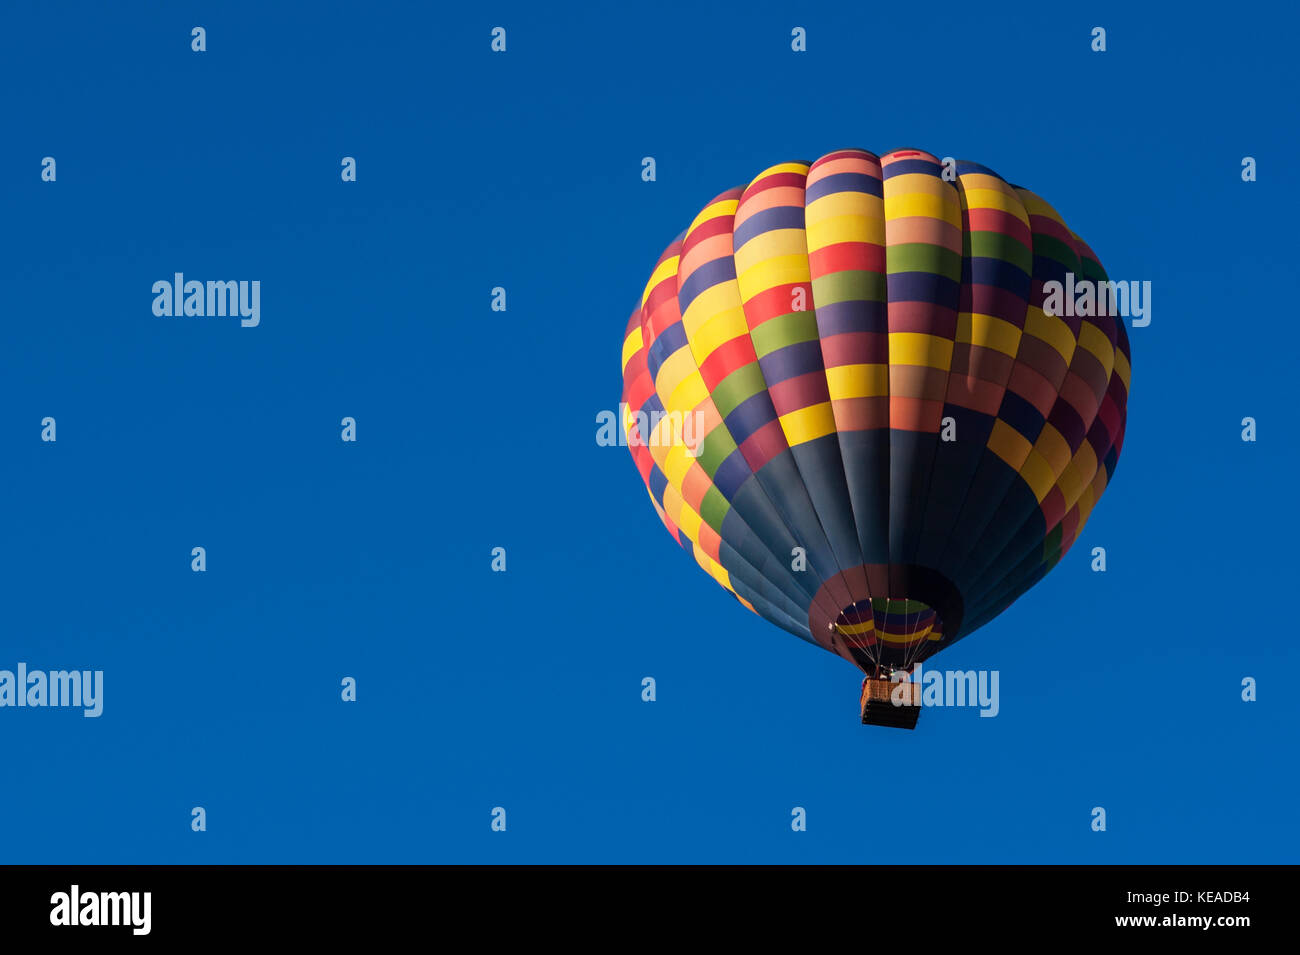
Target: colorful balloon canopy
{"x":848,"y":403}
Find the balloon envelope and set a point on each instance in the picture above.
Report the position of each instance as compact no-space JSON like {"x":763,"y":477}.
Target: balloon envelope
{"x":848,"y":403}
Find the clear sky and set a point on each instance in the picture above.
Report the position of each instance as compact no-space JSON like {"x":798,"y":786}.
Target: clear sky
{"x":476,"y":429}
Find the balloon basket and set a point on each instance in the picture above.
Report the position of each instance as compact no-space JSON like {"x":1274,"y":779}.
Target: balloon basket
{"x":886,"y":703}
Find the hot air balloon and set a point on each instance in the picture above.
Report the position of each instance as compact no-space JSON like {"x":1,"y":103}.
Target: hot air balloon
{"x":849,"y":405}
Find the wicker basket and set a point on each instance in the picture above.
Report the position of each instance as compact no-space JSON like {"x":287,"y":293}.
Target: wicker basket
{"x":886,"y":703}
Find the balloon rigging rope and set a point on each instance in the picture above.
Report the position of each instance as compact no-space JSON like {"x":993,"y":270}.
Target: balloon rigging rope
{"x":859,"y":641}
{"x":914,"y":646}
{"x":912,"y":627}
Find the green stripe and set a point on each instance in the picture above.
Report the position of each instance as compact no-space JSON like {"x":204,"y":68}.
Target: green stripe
{"x":1092,"y":269}
{"x":1005,"y":248}
{"x":715,"y":449}
{"x":923,"y":257}
{"x":740,"y":385}
{"x":892,"y":605}
{"x":1050,"y":247}
{"x":852,"y":285}
{"x":714,"y":508}
{"x":1052,"y":545}
{"x":784,"y":330}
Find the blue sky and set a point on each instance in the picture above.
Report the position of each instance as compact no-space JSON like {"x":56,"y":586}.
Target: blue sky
{"x":476,"y":430}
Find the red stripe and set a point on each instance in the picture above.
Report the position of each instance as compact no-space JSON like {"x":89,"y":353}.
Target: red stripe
{"x":774,"y":302}
{"x":847,"y":257}
{"x":763,"y":445}
{"x":774,"y":181}
{"x":726,"y":358}
{"x":845,"y":154}
{"x":855,"y":348}
{"x":996,"y":220}
{"x":707,"y":230}
{"x":925,"y":317}
{"x":801,"y":391}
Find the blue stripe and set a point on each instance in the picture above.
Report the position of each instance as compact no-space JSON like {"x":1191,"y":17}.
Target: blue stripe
{"x":1021,"y":415}
{"x":704,"y":278}
{"x":844,"y":182}
{"x":731,"y":474}
{"x":672,"y":338}
{"x":966,"y":168}
{"x":999,"y":274}
{"x":903,"y":167}
{"x":750,"y":415}
{"x":791,"y":361}
{"x":780,"y":217}
{"x":923,"y":287}
{"x":842,"y":317}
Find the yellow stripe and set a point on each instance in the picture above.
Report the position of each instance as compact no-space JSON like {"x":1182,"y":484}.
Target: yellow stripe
{"x":910,"y":205}
{"x":631,"y":345}
{"x":690,"y":522}
{"x":835,"y":204}
{"x":903,"y":638}
{"x":688,"y":395}
{"x":1038,"y":474}
{"x":675,"y":463}
{"x":713,"y":568}
{"x":660,"y":442}
{"x":719,"y":299}
{"x":1051,"y":330}
{"x":1084,"y":508}
{"x":797,"y":167}
{"x":770,"y":273}
{"x":1077,"y":478}
{"x":917,"y":348}
{"x":727,"y":207}
{"x":1091,"y":338}
{"x":716,"y":331}
{"x":671,"y":453}
{"x":1122,"y":367}
{"x":666,"y":268}
{"x":1084,"y":505}
{"x":857,"y":381}
{"x":808,"y":424}
{"x":1099,"y":483}
{"x":1035,"y":205}
{"x":673,"y":504}
{"x":773,"y":244}
{"x":989,"y":192}
{"x":675,"y":368}
{"x":918,"y":183}
{"x":1071,"y":483}
{"x":1054,"y":449}
{"x":1008,"y":444}
{"x":988,"y":331}
{"x":991,"y":199}
{"x":845,"y":228}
